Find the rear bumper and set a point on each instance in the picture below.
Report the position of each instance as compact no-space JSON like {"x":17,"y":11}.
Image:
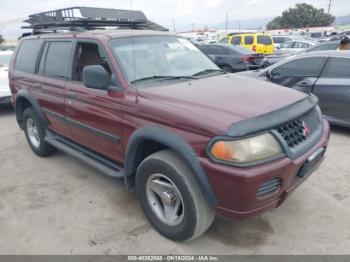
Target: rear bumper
{"x":236,"y":188}
{"x":5,"y":100}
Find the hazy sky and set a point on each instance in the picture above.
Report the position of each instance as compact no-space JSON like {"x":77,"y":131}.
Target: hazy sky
{"x":185,"y":12}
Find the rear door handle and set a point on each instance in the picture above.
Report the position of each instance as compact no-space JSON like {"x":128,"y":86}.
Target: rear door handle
{"x":37,"y":86}
{"x":71,"y":95}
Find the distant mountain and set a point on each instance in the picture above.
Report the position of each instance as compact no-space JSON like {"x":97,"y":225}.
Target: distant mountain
{"x":255,"y":23}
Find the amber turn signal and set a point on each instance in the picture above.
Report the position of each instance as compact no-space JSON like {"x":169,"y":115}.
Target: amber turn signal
{"x":223,"y":150}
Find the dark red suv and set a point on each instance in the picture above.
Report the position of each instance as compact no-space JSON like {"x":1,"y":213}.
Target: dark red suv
{"x":149,"y":107}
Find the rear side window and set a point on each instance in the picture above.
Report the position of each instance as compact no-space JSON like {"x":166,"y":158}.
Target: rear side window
{"x":332,"y":46}
{"x":264,"y":40}
{"x":27,"y":55}
{"x":301,"y":45}
{"x":249,"y":40}
{"x":215,"y":50}
{"x":303,"y":67}
{"x":236,"y":40}
{"x":55,"y":60}
{"x":337,"y":68}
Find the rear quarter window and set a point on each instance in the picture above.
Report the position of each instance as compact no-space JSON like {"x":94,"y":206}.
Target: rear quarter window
{"x":27,"y":55}
{"x":264,"y":40}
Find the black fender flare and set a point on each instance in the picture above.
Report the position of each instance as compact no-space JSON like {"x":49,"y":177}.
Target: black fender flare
{"x":173,"y":142}
{"x":25,"y":94}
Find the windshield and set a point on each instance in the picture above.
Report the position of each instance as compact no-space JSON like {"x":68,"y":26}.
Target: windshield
{"x":5,"y":60}
{"x":144,"y":57}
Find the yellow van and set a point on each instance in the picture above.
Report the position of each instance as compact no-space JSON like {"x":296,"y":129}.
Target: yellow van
{"x":260,"y":43}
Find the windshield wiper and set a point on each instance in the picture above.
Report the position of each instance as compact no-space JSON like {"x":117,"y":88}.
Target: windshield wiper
{"x":209,"y":71}
{"x":162,"y":77}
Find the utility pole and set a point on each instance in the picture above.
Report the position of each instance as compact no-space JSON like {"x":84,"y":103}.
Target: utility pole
{"x":192,"y":27}
{"x":329,"y":6}
{"x":174,"y":28}
{"x":226,"y":22}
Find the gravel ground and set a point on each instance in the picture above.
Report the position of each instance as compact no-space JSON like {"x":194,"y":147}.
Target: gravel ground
{"x":57,"y":205}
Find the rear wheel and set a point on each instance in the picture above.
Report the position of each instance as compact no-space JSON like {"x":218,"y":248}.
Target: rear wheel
{"x":171,"y":198}
{"x":35,"y":134}
{"x":227,"y":69}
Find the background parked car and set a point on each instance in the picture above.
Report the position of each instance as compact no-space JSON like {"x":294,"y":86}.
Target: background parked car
{"x":324,"y":73}
{"x":324,"y":46}
{"x":260,"y":43}
{"x":7,"y":48}
{"x":233,"y":58}
{"x":293,"y":47}
{"x":5,"y":93}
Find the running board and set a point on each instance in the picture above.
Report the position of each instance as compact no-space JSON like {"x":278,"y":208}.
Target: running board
{"x":94,"y":160}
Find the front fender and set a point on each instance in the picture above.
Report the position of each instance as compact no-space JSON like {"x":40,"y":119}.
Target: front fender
{"x":173,"y":142}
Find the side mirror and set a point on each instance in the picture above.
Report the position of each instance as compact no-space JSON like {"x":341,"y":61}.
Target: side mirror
{"x":96,"y":76}
{"x":212,"y":58}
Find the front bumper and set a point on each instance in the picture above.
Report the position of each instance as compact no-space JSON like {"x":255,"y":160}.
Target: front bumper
{"x":236,"y":188}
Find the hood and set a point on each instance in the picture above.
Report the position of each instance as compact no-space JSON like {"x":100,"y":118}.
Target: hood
{"x":226,"y":99}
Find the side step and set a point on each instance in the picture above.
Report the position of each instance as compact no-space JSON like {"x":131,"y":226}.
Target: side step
{"x":96,"y":161}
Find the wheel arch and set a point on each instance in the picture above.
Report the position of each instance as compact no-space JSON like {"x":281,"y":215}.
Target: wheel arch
{"x":164,"y":139}
{"x":25,"y":99}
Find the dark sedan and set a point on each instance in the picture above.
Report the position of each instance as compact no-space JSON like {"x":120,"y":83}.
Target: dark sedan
{"x":233,"y":58}
{"x":324,"y":73}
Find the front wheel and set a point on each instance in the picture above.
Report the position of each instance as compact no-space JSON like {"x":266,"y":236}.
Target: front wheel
{"x":171,"y":198}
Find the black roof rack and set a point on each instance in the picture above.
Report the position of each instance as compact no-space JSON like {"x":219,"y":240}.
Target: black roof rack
{"x":89,"y":18}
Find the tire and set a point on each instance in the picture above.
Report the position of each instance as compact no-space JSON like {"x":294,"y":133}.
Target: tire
{"x":227,"y":69}
{"x":195,"y":215}
{"x":36,"y":139}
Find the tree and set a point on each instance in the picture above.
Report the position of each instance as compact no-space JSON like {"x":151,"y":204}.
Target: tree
{"x":1,"y":39}
{"x":302,"y":15}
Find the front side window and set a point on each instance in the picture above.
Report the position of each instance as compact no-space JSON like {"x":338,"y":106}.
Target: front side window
{"x":87,"y":54}
{"x":27,"y":55}
{"x":305,"y":67}
{"x":149,"y":56}
{"x":55,"y":59}
{"x":224,"y":40}
{"x":249,"y":40}
{"x":337,"y":67}
{"x":236,"y":40}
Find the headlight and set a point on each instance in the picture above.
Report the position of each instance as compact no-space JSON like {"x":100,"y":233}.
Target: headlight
{"x":246,"y":150}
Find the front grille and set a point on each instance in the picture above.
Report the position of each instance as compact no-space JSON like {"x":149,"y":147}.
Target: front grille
{"x":268,"y":187}
{"x":299,"y":130}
